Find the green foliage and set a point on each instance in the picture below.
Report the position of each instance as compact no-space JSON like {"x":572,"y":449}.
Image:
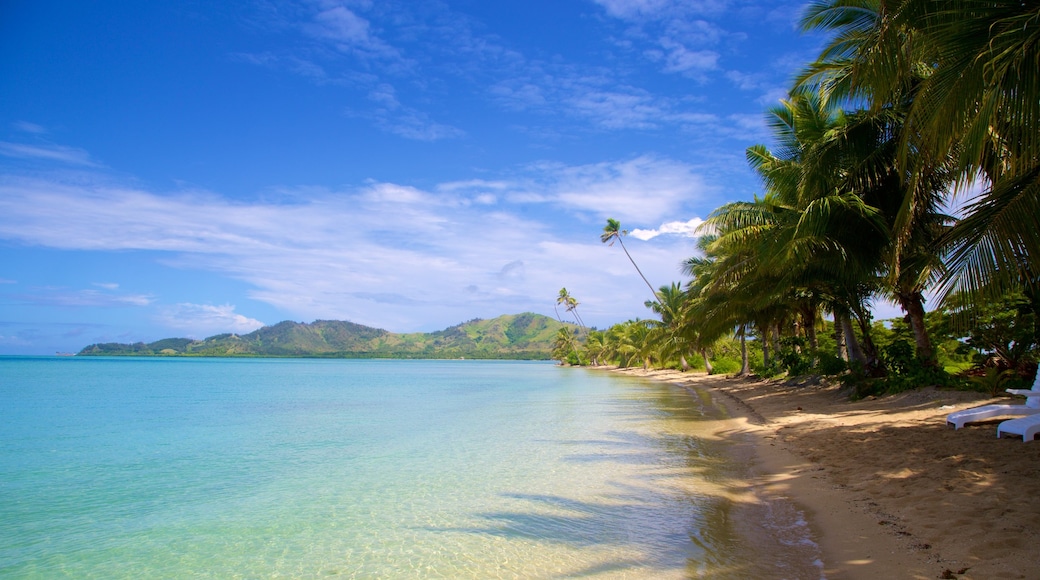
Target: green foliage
{"x":906,"y":371}
{"x":1006,"y":332}
{"x":994,"y":380}
{"x":725,"y":366}
{"x":899,"y":357}
{"x":830,"y":364}
{"x":791,"y":357}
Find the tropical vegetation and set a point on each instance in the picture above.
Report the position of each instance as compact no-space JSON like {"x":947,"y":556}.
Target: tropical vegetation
{"x":904,"y":166}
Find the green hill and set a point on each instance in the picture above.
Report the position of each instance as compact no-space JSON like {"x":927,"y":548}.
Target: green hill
{"x":516,"y":336}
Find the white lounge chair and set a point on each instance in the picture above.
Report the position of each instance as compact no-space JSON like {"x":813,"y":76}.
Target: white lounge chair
{"x":1030,"y":408}
{"x":1027,"y":427}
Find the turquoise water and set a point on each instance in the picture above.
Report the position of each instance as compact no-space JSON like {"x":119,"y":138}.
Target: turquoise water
{"x":263,"y":468}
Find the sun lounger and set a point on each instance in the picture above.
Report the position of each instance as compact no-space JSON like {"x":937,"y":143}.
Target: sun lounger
{"x":1027,"y":427}
{"x":1030,"y":408}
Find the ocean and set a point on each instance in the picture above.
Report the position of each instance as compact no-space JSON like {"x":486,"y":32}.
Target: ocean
{"x":300,"y":468}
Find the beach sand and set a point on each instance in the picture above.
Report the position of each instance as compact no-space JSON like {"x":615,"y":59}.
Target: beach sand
{"x":889,"y":490}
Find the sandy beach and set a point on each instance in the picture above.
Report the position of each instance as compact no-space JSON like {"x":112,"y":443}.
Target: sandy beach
{"x":889,"y":490}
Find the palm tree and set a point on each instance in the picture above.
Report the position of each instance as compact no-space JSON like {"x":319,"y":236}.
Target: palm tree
{"x":596,"y":346}
{"x":611,"y":232}
{"x":672,"y":330}
{"x":563,"y":345}
{"x":571,"y":305}
{"x":966,"y":73}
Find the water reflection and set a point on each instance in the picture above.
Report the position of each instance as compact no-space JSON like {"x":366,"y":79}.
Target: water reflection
{"x":675,"y":503}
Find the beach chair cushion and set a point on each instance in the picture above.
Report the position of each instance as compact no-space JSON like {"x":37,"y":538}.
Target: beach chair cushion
{"x":959,"y":418}
{"x":1027,"y":427}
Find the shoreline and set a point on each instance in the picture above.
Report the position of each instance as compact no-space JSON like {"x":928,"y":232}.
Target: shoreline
{"x":889,"y":491}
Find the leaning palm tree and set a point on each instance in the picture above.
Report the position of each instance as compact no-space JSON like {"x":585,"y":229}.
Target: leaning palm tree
{"x":611,"y":232}
{"x":570,"y":304}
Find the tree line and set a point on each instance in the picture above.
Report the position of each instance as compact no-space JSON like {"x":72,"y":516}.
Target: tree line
{"x":904,"y":163}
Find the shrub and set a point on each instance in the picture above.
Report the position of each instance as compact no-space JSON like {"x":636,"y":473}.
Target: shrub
{"x":725,"y":366}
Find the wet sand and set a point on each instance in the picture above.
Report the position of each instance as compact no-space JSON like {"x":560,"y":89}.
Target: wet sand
{"x":889,"y":490}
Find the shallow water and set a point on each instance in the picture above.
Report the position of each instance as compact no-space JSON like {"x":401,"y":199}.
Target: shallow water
{"x":259,"y":468}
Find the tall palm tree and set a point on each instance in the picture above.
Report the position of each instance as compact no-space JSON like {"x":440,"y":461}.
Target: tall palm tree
{"x":966,"y":72}
{"x":821,"y":234}
{"x":612,"y":232}
{"x":570,"y":304}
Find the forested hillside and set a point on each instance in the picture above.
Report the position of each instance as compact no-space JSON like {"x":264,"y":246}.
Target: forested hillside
{"x":516,"y":336}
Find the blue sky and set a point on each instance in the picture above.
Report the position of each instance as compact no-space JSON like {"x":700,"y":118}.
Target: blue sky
{"x":191,"y":168}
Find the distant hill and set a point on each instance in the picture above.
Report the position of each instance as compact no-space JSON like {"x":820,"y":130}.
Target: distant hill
{"x":516,"y":336}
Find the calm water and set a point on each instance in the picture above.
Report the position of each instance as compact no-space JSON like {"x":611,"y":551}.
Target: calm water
{"x":261,"y":468}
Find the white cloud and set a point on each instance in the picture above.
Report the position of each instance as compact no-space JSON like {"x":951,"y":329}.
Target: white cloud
{"x":634,"y":8}
{"x":414,"y":124}
{"x":70,"y":155}
{"x":207,"y":319}
{"x":348,"y":32}
{"x":107,"y":285}
{"x":686,"y":229}
{"x":29,"y":127}
{"x":642,"y":190}
{"x":64,"y":297}
{"x":386,"y":255}
{"x":684,"y":60}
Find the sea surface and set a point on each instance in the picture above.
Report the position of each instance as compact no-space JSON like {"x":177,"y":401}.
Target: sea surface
{"x":296,"y":468}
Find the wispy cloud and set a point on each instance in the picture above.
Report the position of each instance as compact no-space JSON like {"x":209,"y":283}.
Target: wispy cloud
{"x":70,"y":155}
{"x":380,"y":254}
{"x":643,"y":189}
{"x":205,"y":319}
{"x":28,"y":127}
{"x":65,"y":297}
{"x":348,"y":32}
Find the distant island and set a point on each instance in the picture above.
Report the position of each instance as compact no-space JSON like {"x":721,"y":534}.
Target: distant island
{"x":526,"y":336}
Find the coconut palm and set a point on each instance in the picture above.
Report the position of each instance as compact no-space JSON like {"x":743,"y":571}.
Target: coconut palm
{"x":967,"y":74}
{"x":612,"y":232}
{"x":570,"y":304}
{"x":672,"y":331}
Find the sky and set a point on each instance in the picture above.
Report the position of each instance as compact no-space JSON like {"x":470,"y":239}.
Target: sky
{"x":184,"y":169}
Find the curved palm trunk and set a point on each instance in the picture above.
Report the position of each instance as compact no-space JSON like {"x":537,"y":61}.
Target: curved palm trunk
{"x":707,"y":363}
{"x":855,"y":353}
{"x":648,"y":285}
{"x":682,"y":362}
{"x":873,"y":364}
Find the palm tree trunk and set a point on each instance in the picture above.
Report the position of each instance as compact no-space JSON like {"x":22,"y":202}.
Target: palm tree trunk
{"x":682,"y":363}
{"x":839,"y":339}
{"x":913,"y":305}
{"x":648,"y":285}
{"x":707,"y":363}
{"x":809,"y":322}
{"x":774,"y":337}
{"x":745,"y":365}
{"x":872,"y":360}
{"x":851,"y":342}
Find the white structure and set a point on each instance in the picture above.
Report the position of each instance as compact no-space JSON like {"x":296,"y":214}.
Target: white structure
{"x":1029,"y":410}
